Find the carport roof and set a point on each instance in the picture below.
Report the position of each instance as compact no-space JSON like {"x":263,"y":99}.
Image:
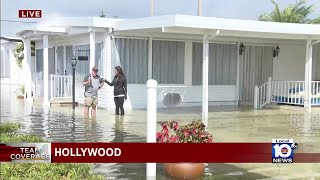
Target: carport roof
{"x":187,"y":24}
{"x":182,"y":24}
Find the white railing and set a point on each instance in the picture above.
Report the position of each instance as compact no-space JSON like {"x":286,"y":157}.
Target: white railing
{"x":285,"y":92}
{"x":315,"y":93}
{"x":61,"y":86}
{"x":262,"y":94}
{"x":288,"y":92}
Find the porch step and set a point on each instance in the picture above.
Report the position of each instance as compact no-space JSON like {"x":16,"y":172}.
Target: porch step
{"x":62,"y":102}
{"x":61,"y":99}
{"x":55,"y":101}
{"x":246,"y":103}
{"x":37,"y":100}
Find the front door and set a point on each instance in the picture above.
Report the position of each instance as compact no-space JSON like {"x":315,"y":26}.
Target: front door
{"x":256,"y":66}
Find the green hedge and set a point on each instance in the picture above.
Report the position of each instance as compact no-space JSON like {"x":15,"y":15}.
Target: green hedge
{"x":39,"y":171}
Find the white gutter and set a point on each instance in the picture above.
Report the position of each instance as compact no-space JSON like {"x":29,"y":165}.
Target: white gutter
{"x":315,"y":42}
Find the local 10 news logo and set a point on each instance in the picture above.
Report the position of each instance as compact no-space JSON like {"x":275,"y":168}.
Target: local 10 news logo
{"x":283,"y":150}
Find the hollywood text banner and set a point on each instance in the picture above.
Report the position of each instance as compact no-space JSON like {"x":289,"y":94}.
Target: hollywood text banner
{"x":159,"y":153}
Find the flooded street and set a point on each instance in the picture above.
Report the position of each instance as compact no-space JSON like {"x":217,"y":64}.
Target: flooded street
{"x":227,"y":124}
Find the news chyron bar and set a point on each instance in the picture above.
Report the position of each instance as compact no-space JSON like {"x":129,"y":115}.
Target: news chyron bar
{"x":283,"y":150}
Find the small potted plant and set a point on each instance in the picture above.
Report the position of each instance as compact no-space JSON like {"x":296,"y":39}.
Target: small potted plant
{"x":194,"y":132}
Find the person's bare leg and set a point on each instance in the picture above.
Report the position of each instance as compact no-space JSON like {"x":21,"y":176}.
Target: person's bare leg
{"x":86,"y":111}
{"x":93,"y":112}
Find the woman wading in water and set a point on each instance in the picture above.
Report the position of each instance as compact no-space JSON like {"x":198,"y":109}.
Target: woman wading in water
{"x":119,"y":83}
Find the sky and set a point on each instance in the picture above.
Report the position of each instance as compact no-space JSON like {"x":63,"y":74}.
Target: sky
{"x":235,"y":9}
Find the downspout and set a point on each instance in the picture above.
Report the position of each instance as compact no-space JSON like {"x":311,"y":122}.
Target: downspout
{"x":205,"y":77}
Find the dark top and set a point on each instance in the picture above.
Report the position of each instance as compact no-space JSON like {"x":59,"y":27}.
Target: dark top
{"x":120,"y":87}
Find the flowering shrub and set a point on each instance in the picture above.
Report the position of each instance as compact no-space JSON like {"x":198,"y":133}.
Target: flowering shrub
{"x":192,"y":133}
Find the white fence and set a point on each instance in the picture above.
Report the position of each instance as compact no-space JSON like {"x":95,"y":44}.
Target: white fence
{"x":61,"y":86}
{"x":285,"y":92}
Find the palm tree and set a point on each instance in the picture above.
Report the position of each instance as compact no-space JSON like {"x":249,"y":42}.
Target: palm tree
{"x":102,"y":14}
{"x":294,"y":13}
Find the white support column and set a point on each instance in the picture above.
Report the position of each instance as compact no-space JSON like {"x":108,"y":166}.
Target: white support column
{"x":45,"y":45}
{"x":151,"y":122}
{"x":309,"y":75}
{"x":205,"y":80}
{"x":307,"y":100}
{"x":27,"y":69}
{"x":237,"y":93}
{"x":150,"y":58}
{"x":188,"y":63}
{"x":107,"y":68}
{"x":92,"y":48}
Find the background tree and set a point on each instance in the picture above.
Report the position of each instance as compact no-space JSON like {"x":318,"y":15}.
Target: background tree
{"x":103,"y":15}
{"x":19,"y":54}
{"x":294,"y":13}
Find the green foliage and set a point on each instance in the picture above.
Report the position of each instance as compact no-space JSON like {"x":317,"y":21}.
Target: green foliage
{"x":18,"y":54}
{"x":294,"y":13}
{"x":35,"y":171}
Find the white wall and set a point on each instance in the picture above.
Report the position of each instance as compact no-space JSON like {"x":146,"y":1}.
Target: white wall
{"x":290,"y":63}
{"x":316,"y":62}
{"x":220,"y":94}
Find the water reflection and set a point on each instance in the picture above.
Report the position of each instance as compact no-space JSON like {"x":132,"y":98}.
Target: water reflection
{"x":118,"y":129}
{"x":64,"y":125}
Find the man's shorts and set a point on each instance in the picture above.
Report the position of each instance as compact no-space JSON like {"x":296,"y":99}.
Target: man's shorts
{"x":90,"y":101}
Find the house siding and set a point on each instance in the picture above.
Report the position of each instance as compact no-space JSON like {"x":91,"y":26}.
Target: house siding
{"x":291,"y":55}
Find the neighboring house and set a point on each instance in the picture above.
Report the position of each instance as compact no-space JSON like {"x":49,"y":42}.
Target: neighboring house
{"x":11,"y":74}
{"x":170,"y":50}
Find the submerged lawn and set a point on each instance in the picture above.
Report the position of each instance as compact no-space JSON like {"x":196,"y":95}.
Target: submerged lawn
{"x":8,"y":133}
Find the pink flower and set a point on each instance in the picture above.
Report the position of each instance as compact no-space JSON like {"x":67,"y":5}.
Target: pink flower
{"x":176,"y":126}
{"x":159,"y":134}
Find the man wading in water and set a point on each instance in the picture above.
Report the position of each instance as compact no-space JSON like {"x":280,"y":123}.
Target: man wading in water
{"x":92,"y":83}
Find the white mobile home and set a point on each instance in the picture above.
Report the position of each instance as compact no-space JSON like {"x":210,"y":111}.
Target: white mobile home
{"x":11,"y":73}
{"x":205,"y":59}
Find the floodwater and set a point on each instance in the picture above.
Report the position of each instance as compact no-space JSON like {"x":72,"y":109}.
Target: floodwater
{"x":227,"y":124}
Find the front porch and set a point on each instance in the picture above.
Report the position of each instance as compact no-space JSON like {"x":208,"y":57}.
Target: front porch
{"x":208,"y":64}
